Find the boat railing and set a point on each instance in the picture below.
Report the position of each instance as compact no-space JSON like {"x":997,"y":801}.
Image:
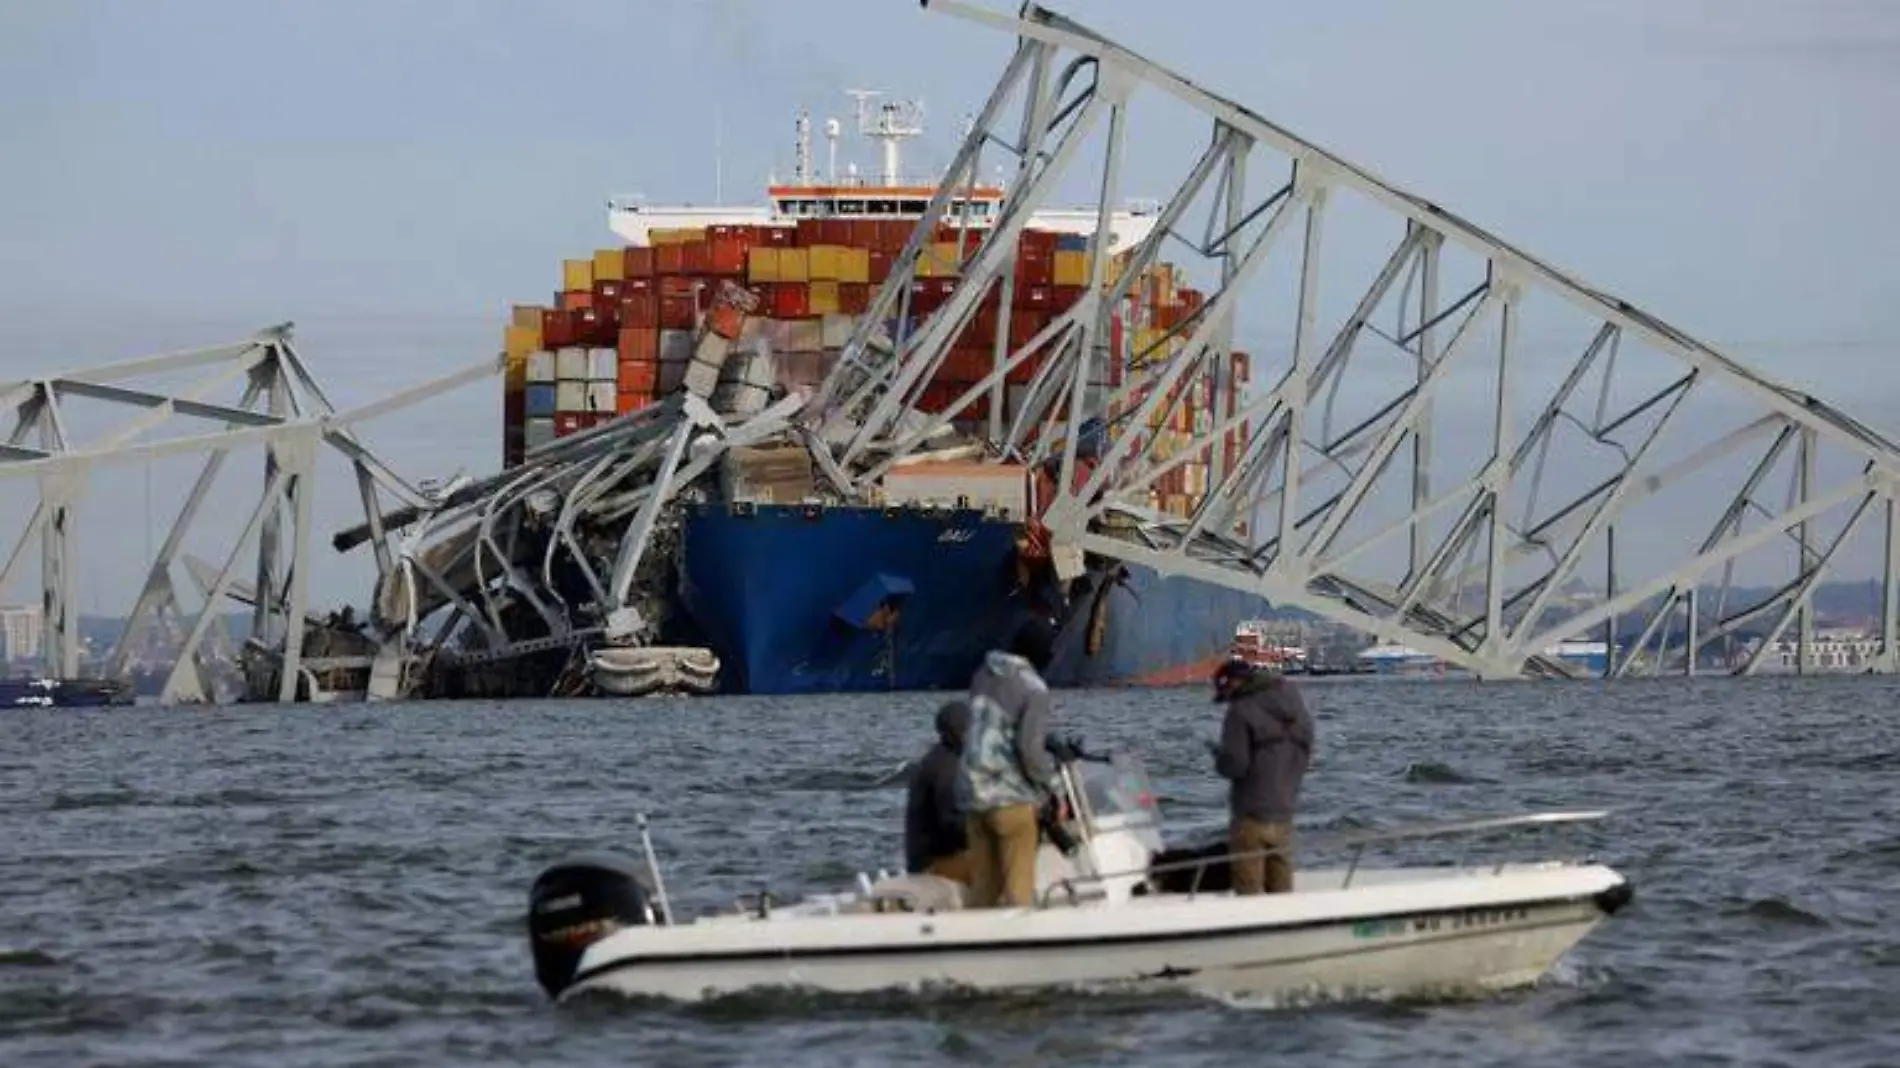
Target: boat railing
{"x":1356,"y":841}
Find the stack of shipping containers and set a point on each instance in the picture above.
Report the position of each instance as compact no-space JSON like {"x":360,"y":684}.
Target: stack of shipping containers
{"x":622,"y":327}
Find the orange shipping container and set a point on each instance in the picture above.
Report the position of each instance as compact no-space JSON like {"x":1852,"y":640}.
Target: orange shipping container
{"x":669,"y":259}
{"x":726,"y":255}
{"x":639,"y":343}
{"x":625,"y":402}
{"x":696,"y":257}
{"x":637,"y":262}
{"x":725,"y":320}
{"x":637,"y":376}
{"x":575,"y":300}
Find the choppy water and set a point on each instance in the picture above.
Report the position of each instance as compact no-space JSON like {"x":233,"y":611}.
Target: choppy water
{"x":345,"y":886}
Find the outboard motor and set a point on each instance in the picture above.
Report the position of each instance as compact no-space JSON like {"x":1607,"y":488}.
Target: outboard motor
{"x":578,"y":902}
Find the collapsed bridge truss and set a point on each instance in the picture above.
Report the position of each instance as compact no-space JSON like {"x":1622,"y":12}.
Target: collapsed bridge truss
{"x":1404,"y":333}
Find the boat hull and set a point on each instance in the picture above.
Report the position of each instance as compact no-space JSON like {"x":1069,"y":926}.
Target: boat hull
{"x":778,"y":592}
{"x":1458,"y":935}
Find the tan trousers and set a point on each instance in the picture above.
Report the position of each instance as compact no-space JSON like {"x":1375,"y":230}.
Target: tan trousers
{"x":1272,"y":874}
{"x":1002,"y":856}
{"x":956,"y":867}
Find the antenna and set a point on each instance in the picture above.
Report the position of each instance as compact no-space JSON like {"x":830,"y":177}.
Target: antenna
{"x":832,"y":130}
{"x":801,"y":165}
{"x":895,"y":122}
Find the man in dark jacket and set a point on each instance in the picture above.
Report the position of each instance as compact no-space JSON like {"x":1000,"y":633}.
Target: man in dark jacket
{"x":934,"y":840}
{"x":1266,"y":742}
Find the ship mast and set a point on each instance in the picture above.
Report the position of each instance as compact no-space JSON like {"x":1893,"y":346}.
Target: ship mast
{"x":801,"y":150}
{"x":896,"y":121}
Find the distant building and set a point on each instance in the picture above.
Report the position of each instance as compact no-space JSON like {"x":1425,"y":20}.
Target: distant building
{"x":20,"y":632}
{"x":1831,"y":650}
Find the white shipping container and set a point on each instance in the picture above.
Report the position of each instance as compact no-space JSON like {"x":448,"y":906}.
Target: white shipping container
{"x":541,"y":366}
{"x":570,"y":397}
{"x":1001,"y":485}
{"x":600,"y":396}
{"x":701,"y":379}
{"x":837,"y":329}
{"x":537,"y":432}
{"x":602,"y":365}
{"x":807,"y":335}
{"x":570,"y":365}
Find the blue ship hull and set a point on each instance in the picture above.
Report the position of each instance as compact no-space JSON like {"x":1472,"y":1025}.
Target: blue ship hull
{"x":857,"y":599}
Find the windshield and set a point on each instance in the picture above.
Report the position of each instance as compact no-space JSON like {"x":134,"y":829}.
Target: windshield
{"x":1119,"y":788}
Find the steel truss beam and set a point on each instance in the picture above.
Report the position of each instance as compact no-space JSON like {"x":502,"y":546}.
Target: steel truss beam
{"x":281,"y":409}
{"x":1484,"y":566}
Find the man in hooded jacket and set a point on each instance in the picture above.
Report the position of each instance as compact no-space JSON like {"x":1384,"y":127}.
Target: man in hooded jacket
{"x":1265,"y":746}
{"x":1008,"y":770}
{"x":935,"y":842}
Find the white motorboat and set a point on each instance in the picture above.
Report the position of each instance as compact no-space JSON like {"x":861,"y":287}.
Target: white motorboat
{"x":1114,"y":907}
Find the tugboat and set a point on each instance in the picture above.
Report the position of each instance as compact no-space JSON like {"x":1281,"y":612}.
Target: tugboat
{"x":1254,"y":643}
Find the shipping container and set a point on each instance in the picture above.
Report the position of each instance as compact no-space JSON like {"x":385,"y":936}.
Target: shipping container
{"x":577,"y":275}
{"x":538,"y":399}
{"x":570,"y":396}
{"x":854,"y":265}
{"x":600,"y":396}
{"x":538,"y":431}
{"x":637,"y":376}
{"x":805,"y":335}
{"x":527,"y":315}
{"x":725,"y":320}
{"x":822,"y":297}
{"x":541,"y":366}
{"x":573,"y":422}
{"x":570,"y":364}
{"x":519,"y":341}
{"x":636,"y":261}
{"x":627,"y":401}
{"x":610,"y":265}
{"x":1071,"y":268}
{"x":794,"y":265}
{"x":762,"y":264}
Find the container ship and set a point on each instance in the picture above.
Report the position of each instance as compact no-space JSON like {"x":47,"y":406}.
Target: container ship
{"x":799,"y":594}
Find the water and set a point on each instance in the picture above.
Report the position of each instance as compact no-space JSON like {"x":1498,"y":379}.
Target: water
{"x":341,"y":886}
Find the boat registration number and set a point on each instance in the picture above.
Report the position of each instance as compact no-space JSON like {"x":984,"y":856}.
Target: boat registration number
{"x":1461,"y":920}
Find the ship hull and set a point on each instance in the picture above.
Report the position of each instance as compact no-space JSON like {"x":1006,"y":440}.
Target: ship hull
{"x":790,"y":600}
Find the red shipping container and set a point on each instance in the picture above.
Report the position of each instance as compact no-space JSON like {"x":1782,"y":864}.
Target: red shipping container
{"x":727,"y":255}
{"x":704,"y":295}
{"x":566,"y":423}
{"x":1024,"y":372}
{"x":590,"y":328}
{"x":1033,"y":272}
{"x":639,"y":343}
{"x":639,"y":308}
{"x":574,"y":300}
{"x":1039,"y":244}
{"x":810,"y":232}
{"x":609,"y":319}
{"x":669,"y":259}
{"x":1062,"y":298}
{"x":880,"y":266}
{"x":695,"y":257}
{"x":725,"y":320}
{"x":675,"y":286}
{"x":678,"y":313}
{"x":637,"y":376}
{"x":625,"y":402}
{"x":638,"y":262}
{"x":854,"y":298}
{"x":834,"y":232}
{"x":791,"y":300}
{"x":778,"y":236}
{"x":606,"y":291}
{"x":557,"y":328}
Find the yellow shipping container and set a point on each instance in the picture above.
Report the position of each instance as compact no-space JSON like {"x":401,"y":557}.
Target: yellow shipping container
{"x":1148,"y":347}
{"x":822,"y":298}
{"x":577,"y":275}
{"x":610,"y":265}
{"x":518,"y":341}
{"x":515,"y":373}
{"x":675,"y":235}
{"x":794,"y":265}
{"x":855,"y":266}
{"x":762,"y":264}
{"x":827,"y":263}
{"x":1071,"y":267}
{"x":527,"y":315}
{"x":945,"y":262}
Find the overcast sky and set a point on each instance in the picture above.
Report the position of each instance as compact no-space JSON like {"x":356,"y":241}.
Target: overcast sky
{"x":392,"y":175}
